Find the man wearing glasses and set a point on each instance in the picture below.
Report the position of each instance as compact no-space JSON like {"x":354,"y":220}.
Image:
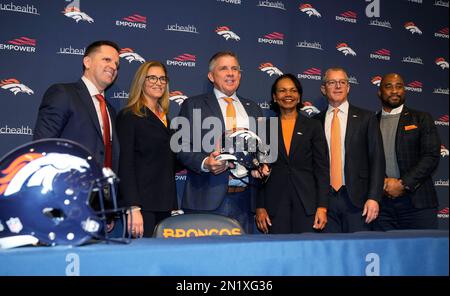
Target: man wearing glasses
{"x":357,"y":162}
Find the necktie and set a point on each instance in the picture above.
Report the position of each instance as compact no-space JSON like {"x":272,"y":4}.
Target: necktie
{"x":336,"y":156}
{"x":230,"y":115}
{"x":106,"y":131}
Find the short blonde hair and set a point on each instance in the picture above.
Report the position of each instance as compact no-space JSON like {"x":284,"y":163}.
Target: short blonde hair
{"x":136,"y":98}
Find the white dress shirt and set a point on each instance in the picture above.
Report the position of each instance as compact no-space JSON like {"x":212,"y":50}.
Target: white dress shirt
{"x":241,"y":114}
{"x":93,"y":91}
{"x":242,"y":121}
{"x":393,"y":111}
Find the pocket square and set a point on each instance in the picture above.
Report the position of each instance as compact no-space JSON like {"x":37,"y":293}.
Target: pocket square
{"x":410,"y":127}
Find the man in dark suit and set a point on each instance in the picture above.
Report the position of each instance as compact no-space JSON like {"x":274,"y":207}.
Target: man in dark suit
{"x":357,"y":161}
{"x":412,"y":146}
{"x":209,"y":187}
{"x":75,"y":111}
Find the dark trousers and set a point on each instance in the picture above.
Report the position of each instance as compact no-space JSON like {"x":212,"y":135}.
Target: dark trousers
{"x":236,"y":206}
{"x":343,"y":216}
{"x":399,"y":213}
{"x":151,"y":219}
{"x":291,"y":216}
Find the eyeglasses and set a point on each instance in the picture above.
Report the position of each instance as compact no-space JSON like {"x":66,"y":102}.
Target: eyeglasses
{"x":334,"y":83}
{"x":153,"y":79}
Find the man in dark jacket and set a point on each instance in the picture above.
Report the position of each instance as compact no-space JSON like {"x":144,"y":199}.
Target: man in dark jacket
{"x":412,"y":146}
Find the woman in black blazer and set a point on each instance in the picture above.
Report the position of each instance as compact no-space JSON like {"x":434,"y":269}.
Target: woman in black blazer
{"x":146,"y":163}
{"x":295,"y":197}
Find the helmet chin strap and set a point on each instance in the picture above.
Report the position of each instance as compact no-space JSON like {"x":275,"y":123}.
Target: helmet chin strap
{"x":243,"y":177}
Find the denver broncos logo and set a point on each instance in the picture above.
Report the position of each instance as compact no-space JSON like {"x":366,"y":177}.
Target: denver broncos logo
{"x":15,"y":86}
{"x":309,"y":108}
{"x":444,"y":151}
{"x":309,"y":10}
{"x":345,"y":49}
{"x":376,"y":80}
{"x":226,"y":33}
{"x":270,"y":69}
{"x":246,"y":135}
{"x":36,"y":169}
{"x":72,"y":10}
{"x":442,"y":63}
{"x":14,"y":167}
{"x":130,"y":55}
{"x":410,"y":26}
{"x":177,"y":96}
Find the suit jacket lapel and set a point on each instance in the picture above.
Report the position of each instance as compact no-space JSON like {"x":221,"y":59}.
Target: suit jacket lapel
{"x":403,"y":121}
{"x":86,"y":99}
{"x":112,"y":115}
{"x":281,"y":146}
{"x":154,"y":118}
{"x":352,"y":123}
{"x":213,"y":104}
{"x":248,"y":108}
{"x":296,"y":135}
{"x":321,"y":117}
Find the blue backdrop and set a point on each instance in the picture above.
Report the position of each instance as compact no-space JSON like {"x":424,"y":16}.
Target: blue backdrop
{"x":42,"y":42}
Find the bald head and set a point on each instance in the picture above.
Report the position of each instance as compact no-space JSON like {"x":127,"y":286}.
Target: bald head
{"x":391,"y":91}
{"x":391,"y":76}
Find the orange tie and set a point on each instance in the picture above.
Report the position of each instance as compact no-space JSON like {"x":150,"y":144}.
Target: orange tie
{"x":106,"y":132}
{"x":231,"y":115}
{"x":336,"y":156}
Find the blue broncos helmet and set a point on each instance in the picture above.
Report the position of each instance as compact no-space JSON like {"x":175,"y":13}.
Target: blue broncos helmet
{"x":244,"y":149}
{"x":52,"y":192}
